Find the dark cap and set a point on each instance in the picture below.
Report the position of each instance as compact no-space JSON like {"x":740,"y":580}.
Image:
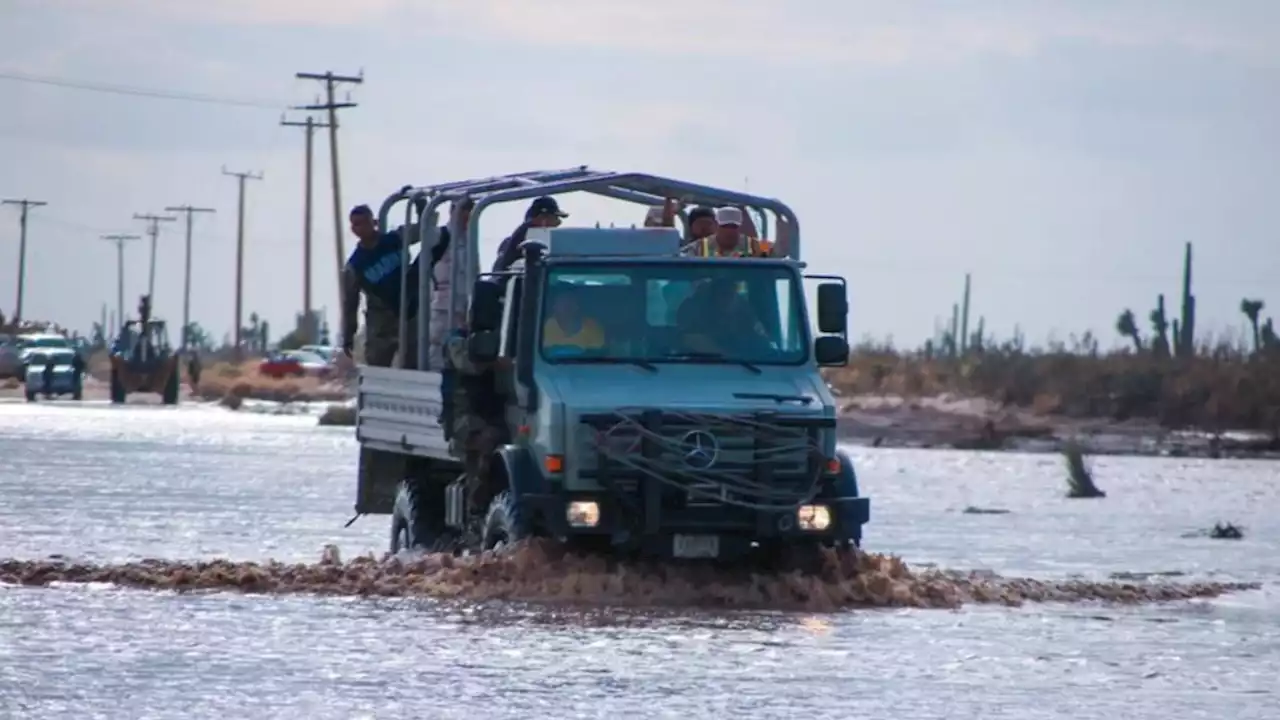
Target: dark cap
{"x":361,"y":210}
{"x":701,"y":212}
{"x":545,"y":205}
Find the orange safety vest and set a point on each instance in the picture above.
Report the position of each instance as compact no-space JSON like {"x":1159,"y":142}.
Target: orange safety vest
{"x":707,"y":247}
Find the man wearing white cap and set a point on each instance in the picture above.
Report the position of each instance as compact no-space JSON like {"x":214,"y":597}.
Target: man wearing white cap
{"x":729,"y":240}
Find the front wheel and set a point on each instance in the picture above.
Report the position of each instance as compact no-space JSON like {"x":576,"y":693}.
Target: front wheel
{"x":172,"y":387}
{"x":31,"y":397}
{"x":505,"y":524}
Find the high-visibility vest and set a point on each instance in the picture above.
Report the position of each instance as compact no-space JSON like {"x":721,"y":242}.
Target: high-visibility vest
{"x":707,"y":247}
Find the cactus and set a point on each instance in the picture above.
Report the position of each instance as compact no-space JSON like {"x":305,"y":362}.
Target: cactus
{"x":1251,"y":310}
{"x":1128,"y":327}
{"x":1185,"y":345}
{"x":1160,"y":329}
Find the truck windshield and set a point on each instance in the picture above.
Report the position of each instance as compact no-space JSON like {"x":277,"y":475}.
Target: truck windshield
{"x":737,"y":312}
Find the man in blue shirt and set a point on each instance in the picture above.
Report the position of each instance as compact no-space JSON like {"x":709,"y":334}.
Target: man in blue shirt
{"x":374,"y":268}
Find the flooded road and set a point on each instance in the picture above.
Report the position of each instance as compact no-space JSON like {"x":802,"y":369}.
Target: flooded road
{"x":108,"y":485}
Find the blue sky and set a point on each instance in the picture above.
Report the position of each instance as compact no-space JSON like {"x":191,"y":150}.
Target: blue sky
{"x":1062,"y":152}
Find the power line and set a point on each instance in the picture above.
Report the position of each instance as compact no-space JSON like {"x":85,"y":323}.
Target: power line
{"x":331,"y":82}
{"x":26,"y":205}
{"x":119,"y":240}
{"x":153,"y":230}
{"x":186,"y":287}
{"x":113,"y":89}
{"x":309,"y":126}
{"x":240,"y":178}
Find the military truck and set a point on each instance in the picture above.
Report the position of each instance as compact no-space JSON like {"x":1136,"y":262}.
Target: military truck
{"x":142,"y":359}
{"x":647,"y":443}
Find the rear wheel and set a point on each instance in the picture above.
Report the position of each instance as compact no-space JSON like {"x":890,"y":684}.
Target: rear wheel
{"x":117,"y":388}
{"x":417,"y":520}
{"x":172,"y":387}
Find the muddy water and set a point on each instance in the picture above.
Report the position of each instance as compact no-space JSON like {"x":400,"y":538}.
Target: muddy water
{"x":106,"y":486}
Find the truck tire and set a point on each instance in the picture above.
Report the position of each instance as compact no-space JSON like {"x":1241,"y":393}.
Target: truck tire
{"x":172,"y":388}
{"x":416,"y":522}
{"x":117,"y":389}
{"x":31,"y":396}
{"x":505,"y":523}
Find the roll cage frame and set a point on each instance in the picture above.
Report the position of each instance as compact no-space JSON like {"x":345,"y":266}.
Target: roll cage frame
{"x":639,"y":188}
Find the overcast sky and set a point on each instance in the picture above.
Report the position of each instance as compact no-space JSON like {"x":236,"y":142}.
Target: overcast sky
{"x":1060,"y":151}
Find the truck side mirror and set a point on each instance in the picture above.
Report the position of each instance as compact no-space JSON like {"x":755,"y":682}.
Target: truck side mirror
{"x":482,"y":347}
{"x":833,"y":309}
{"x":486,"y":305}
{"x":831,"y":351}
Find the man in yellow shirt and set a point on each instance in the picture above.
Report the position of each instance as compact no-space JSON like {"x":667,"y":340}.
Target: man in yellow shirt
{"x":568,"y":327}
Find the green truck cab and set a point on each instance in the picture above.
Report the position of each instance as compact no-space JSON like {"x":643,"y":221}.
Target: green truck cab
{"x":687,"y":419}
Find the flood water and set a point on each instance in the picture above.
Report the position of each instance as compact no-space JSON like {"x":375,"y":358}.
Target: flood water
{"x":92,"y":482}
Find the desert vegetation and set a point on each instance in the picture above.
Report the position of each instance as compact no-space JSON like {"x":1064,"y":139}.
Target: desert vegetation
{"x":1169,"y":374}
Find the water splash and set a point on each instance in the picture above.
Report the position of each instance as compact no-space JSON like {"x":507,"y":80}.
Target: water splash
{"x":542,"y":572}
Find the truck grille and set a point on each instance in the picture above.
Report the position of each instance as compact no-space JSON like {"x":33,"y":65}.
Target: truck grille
{"x":705,"y":459}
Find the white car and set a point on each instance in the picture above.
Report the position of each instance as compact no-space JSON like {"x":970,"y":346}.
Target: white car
{"x":53,"y":372}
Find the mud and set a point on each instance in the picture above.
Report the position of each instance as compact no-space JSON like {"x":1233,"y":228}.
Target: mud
{"x":542,"y":573}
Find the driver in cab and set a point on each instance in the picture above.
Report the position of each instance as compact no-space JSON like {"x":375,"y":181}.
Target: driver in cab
{"x":717,"y":319}
{"x":568,"y":327}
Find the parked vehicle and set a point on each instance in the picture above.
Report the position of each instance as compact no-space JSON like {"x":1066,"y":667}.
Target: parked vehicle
{"x":10,"y":357}
{"x":54,"y":372}
{"x":25,"y":344}
{"x":142,"y":359}
{"x":295,"y":363}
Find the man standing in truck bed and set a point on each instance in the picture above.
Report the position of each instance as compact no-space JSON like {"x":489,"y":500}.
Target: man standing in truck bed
{"x":374,"y":268}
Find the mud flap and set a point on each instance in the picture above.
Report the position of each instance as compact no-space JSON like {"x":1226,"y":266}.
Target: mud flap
{"x":380,"y":474}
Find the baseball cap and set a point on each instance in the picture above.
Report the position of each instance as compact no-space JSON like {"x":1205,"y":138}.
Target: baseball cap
{"x":361,"y":210}
{"x":728,"y":216}
{"x":545,"y":205}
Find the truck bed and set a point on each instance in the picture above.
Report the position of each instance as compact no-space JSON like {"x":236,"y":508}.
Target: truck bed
{"x":399,"y":411}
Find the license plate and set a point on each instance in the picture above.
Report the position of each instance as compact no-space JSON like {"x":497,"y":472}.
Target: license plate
{"x":696,"y":546}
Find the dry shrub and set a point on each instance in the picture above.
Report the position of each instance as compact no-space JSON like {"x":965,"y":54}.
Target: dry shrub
{"x":1214,"y":390}
{"x":339,"y":415}
{"x":10,"y":384}
{"x":225,"y":380}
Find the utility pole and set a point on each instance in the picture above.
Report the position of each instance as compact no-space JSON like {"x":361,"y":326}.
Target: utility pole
{"x":240,"y":178}
{"x":119,"y":241}
{"x":26,"y":205}
{"x":153,"y":230}
{"x":186,"y":288}
{"x":331,"y":81}
{"x":310,"y":127}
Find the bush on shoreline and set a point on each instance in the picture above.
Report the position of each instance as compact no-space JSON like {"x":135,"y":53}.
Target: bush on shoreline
{"x":231,"y":383}
{"x":1219,"y":389}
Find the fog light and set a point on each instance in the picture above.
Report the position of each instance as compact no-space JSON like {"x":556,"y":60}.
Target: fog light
{"x":583,"y":513}
{"x":815,"y":518}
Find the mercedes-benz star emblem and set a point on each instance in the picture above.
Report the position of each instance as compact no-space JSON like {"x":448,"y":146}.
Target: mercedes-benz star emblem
{"x":701,"y":449}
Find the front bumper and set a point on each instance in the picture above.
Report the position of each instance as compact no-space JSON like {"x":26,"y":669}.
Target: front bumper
{"x":651,"y":527}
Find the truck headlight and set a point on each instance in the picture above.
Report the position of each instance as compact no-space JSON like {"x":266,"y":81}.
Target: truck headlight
{"x":583,"y":513}
{"x":814,"y":518}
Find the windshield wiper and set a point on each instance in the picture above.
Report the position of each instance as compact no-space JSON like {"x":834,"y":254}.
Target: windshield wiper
{"x":714,"y":357}
{"x":609,"y":361}
{"x":803,"y":399}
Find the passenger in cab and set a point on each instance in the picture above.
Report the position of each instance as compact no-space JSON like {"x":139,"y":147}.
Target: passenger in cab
{"x":568,"y":326}
{"x":729,"y":240}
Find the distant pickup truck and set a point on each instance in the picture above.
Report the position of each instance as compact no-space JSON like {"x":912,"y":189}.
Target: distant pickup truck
{"x":53,"y":372}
